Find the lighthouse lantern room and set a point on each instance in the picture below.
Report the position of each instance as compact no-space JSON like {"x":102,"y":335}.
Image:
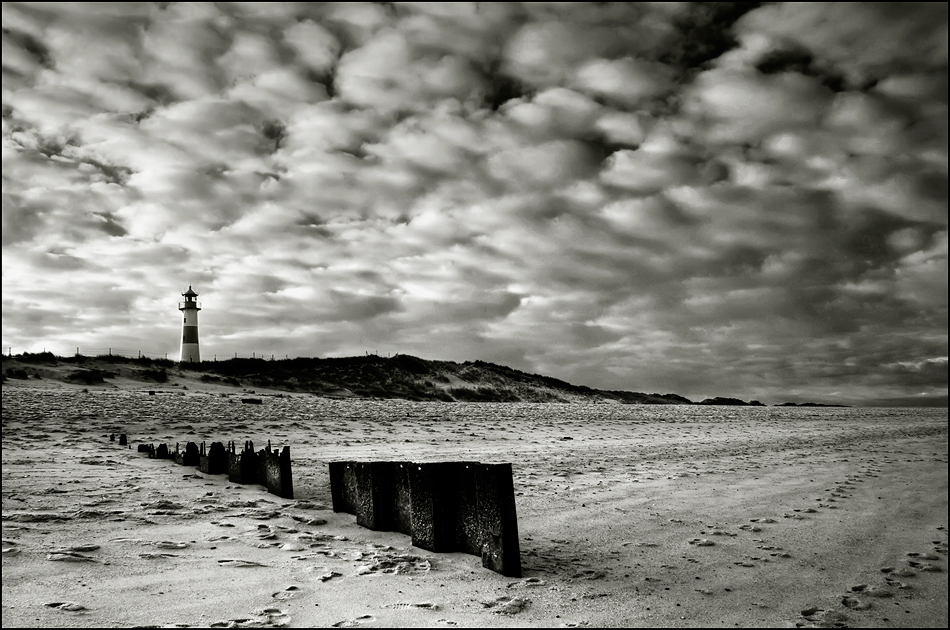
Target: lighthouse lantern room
{"x":189,"y":327}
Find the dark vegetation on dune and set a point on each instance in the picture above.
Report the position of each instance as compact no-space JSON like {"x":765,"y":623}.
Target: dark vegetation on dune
{"x":401,"y":376}
{"x":411,"y":378}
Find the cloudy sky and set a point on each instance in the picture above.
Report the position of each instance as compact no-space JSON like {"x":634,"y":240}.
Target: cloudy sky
{"x":711,"y":200}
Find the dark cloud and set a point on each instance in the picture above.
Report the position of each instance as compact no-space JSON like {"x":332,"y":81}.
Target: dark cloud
{"x":799,"y":60}
{"x":35,"y":50}
{"x":21,"y":222}
{"x":355,"y":307}
{"x":702,"y":31}
{"x":865,"y":42}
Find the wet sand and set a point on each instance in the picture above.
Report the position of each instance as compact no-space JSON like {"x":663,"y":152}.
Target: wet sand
{"x":671,"y":516}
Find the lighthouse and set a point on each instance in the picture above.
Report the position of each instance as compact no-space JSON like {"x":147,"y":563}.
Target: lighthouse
{"x":189,"y":327}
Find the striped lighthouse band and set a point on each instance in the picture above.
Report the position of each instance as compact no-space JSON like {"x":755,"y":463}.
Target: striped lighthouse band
{"x":189,"y":334}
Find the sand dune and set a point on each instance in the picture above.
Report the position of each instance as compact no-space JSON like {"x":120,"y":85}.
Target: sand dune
{"x":628,"y":515}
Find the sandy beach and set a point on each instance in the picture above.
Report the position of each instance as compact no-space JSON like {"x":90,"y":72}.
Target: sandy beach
{"x":629,"y":515}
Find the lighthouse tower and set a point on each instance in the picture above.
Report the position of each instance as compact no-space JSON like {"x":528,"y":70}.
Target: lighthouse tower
{"x":189,"y":327}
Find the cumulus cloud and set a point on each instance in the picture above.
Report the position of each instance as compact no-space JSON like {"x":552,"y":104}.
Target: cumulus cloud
{"x":387,"y":74}
{"x":710,"y":199}
{"x":649,"y":170}
{"x":627,"y":82}
{"x":733,"y":107}
{"x":315,"y":45}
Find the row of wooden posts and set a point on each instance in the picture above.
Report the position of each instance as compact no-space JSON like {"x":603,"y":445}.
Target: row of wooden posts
{"x":444,"y":506}
{"x":265,"y":467}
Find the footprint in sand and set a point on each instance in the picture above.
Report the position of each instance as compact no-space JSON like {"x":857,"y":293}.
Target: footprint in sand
{"x":266,"y":545}
{"x":70,"y":606}
{"x":329,"y":575}
{"x":409,"y":605}
{"x":306,"y":505}
{"x":266,"y":533}
{"x":68,"y":556}
{"x":925,"y":566}
{"x":854,"y":603}
{"x":872,"y":591}
{"x":83,"y":548}
{"x":168,"y":544}
{"x":352,"y":623}
{"x":288,"y":593}
{"x":820,"y":618}
{"x":531,"y":581}
{"x":262,"y":618}
{"x":236,"y":562}
{"x":505,"y":605}
{"x":898,"y":572}
{"x":399,"y":564}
